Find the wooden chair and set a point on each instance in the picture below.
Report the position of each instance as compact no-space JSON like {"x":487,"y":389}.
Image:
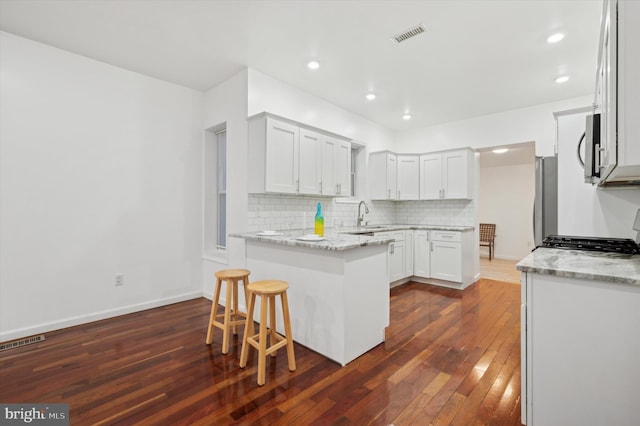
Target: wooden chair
{"x":488,"y":236}
{"x":267,"y":290}
{"x":231,"y":317}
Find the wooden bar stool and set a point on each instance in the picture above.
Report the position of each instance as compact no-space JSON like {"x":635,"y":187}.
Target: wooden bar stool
{"x":268,"y":290}
{"x":231,"y":317}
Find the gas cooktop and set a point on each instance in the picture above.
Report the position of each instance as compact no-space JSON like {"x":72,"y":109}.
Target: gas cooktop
{"x":612,"y":245}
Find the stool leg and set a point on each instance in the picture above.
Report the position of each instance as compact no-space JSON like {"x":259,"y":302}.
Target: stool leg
{"x":248,"y":331}
{"x":214,"y":309}
{"x":262,"y":357}
{"x":227,"y":315}
{"x":287,"y":329}
{"x":245,"y":283}
{"x":272,"y":323}
{"x":235,"y":306}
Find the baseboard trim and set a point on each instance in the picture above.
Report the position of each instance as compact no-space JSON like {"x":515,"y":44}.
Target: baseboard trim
{"x":501,"y":257}
{"x":441,"y":283}
{"x":97,"y":316}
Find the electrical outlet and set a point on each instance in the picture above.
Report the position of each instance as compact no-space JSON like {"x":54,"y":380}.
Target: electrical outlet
{"x":119,"y":281}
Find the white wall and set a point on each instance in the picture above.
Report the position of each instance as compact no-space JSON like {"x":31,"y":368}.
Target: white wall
{"x":100,"y":174}
{"x":534,"y":123}
{"x":584,"y":209}
{"x":271,"y":95}
{"x":506,"y":199}
{"x":227,"y":103}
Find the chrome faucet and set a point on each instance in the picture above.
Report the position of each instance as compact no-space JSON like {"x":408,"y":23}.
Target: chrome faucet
{"x":361,"y":215}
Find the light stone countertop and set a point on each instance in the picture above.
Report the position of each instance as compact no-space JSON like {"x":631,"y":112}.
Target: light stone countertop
{"x":342,"y":239}
{"x":590,"y":265}
{"x":397,"y":227}
{"x":332,"y":241}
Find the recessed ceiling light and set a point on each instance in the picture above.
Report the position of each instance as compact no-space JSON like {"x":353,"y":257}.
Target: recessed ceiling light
{"x":562,"y":79}
{"x":554,"y":38}
{"x":500,"y":150}
{"x":406,"y":116}
{"x":313,"y":65}
{"x":371,"y":96}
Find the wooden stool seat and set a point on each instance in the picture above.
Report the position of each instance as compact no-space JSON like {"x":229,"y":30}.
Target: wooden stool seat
{"x":232,"y":317}
{"x":268,"y":290}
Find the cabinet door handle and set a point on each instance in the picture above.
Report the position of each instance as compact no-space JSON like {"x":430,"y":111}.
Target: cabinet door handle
{"x":392,"y":248}
{"x":321,"y":187}
{"x":298,"y":186}
{"x":398,"y":194}
{"x":389,"y":193}
{"x":430,"y":245}
{"x":339,"y":188}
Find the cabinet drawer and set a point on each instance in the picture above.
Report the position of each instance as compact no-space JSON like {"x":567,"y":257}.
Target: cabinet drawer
{"x":451,"y":236}
{"x":398,"y":236}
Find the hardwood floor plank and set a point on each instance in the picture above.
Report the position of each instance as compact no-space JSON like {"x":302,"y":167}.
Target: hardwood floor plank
{"x":449,"y":357}
{"x":413,"y":413}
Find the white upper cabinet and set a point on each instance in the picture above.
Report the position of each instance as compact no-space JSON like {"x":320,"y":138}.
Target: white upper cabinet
{"x":336,"y":167}
{"x":287,"y":158}
{"x":456,"y":166}
{"x":310,"y":162}
{"x":282,"y":149}
{"x":408,"y":177}
{"x":446,"y":175}
{"x":343,"y":168}
{"x":383,"y":177}
{"x":431,"y":176}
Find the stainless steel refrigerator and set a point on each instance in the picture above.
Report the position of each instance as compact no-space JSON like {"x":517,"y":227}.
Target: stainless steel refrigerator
{"x":545,"y":207}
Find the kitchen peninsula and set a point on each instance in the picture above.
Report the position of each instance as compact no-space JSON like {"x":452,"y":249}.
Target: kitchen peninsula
{"x":338,"y":288}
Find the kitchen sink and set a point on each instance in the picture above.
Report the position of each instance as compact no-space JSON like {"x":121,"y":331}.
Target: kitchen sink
{"x":367,"y":230}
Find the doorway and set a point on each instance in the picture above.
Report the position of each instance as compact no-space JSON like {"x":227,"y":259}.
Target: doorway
{"x":506,"y":191}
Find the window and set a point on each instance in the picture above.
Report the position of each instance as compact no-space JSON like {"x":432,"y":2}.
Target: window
{"x":221,"y":144}
{"x":215,"y":193}
{"x":354,"y":169}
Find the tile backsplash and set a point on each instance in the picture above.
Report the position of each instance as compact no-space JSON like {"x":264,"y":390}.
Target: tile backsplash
{"x":436,"y":212}
{"x":283,"y":212}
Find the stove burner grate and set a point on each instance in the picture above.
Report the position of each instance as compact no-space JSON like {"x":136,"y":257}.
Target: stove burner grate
{"x":610,"y":245}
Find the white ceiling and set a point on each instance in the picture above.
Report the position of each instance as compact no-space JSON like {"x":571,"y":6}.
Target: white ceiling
{"x":477,"y":56}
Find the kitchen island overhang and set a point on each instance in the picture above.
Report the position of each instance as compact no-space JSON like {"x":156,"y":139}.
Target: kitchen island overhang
{"x":338,"y":288}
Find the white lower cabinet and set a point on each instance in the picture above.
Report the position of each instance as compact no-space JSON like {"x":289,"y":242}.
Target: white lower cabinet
{"x":580,"y":351}
{"x":408,"y":252}
{"x":400,"y":254}
{"x":440,"y":257}
{"x":446,"y":256}
{"x":396,"y":256}
{"x":421,"y":254}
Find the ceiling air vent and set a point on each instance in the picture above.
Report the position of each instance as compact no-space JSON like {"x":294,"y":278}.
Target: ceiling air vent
{"x":410,"y":33}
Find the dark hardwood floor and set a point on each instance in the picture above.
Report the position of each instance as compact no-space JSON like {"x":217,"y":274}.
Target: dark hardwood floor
{"x":450,"y":357}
